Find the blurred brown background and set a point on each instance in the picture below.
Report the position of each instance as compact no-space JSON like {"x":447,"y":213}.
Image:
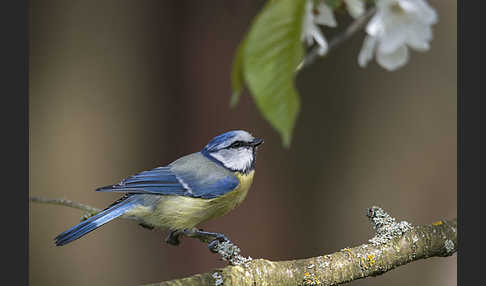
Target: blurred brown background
{"x":118,"y":87}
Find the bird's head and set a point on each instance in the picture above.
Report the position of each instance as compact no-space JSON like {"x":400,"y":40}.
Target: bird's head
{"x":235,"y":150}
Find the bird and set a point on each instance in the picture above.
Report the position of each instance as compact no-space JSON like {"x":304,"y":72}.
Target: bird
{"x":183,"y":194}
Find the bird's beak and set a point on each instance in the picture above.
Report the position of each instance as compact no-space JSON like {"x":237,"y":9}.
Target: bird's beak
{"x":256,"y":142}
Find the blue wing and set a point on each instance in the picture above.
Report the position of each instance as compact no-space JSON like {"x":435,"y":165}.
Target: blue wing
{"x":160,"y":181}
{"x":192,"y":176}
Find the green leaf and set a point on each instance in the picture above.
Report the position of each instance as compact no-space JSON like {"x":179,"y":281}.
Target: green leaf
{"x":237,"y":79}
{"x":271,"y":53}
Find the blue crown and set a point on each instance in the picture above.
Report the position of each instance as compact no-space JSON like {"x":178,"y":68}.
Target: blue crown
{"x":224,"y":140}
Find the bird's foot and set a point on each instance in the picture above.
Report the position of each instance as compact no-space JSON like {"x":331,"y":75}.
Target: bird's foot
{"x":217,"y":243}
{"x":223,"y":246}
{"x":214,"y":245}
{"x":215,"y":239}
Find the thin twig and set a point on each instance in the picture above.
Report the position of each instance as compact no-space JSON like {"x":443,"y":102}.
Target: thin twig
{"x":226,"y":249}
{"x":354,"y":27}
{"x":67,"y":203}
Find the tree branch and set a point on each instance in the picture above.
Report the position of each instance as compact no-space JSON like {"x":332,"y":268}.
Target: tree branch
{"x":395,"y":244}
{"x":357,"y":25}
{"x":89,"y":211}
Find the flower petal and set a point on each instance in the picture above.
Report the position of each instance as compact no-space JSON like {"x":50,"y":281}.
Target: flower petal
{"x":419,"y":36}
{"x":397,"y":25}
{"x":376,"y":26}
{"x":307,"y":23}
{"x":325,"y":16}
{"x":425,"y":12}
{"x":366,"y":53}
{"x":393,"y":39}
{"x":355,"y":7}
{"x":393,"y":61}
{"x":320,"y":40}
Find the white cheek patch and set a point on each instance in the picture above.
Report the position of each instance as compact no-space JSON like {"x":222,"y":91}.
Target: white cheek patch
{"x":236,"y":159}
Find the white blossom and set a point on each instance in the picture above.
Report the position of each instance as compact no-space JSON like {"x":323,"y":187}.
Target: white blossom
{"x":321,"y":14}
{"x":396,"y":26}
{"x":355,"y":8}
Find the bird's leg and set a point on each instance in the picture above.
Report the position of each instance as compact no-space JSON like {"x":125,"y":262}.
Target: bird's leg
{"x":212,"y":238}
{"x":173,"y":238}
{"x":174,"y":235}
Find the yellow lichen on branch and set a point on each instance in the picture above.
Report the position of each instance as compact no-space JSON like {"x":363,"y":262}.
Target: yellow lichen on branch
{"x":395,"y":244}
{"x":417,"y":242}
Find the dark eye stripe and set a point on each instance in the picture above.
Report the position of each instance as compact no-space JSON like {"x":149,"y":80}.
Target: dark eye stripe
{"x":238,"y":144}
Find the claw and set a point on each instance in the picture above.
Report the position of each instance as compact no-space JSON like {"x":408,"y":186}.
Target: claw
{"x":213,"y":245}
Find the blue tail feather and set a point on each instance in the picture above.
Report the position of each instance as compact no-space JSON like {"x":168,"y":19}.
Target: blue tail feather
{"x":94,"y":222}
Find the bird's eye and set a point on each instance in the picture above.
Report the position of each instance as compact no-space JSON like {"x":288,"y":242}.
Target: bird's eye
{"x":236,"y":144}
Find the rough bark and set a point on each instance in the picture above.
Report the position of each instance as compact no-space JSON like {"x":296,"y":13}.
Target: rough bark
{"x":395,"y":244}
{"x":420,"y":242}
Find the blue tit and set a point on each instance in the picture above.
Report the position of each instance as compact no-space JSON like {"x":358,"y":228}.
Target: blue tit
{"x":191,"y":190}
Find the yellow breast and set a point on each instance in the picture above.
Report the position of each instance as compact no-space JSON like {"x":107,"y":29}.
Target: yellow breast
{"x":239,"y":194}
{"x":178,"y":212}
{"x":222,"y":205}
